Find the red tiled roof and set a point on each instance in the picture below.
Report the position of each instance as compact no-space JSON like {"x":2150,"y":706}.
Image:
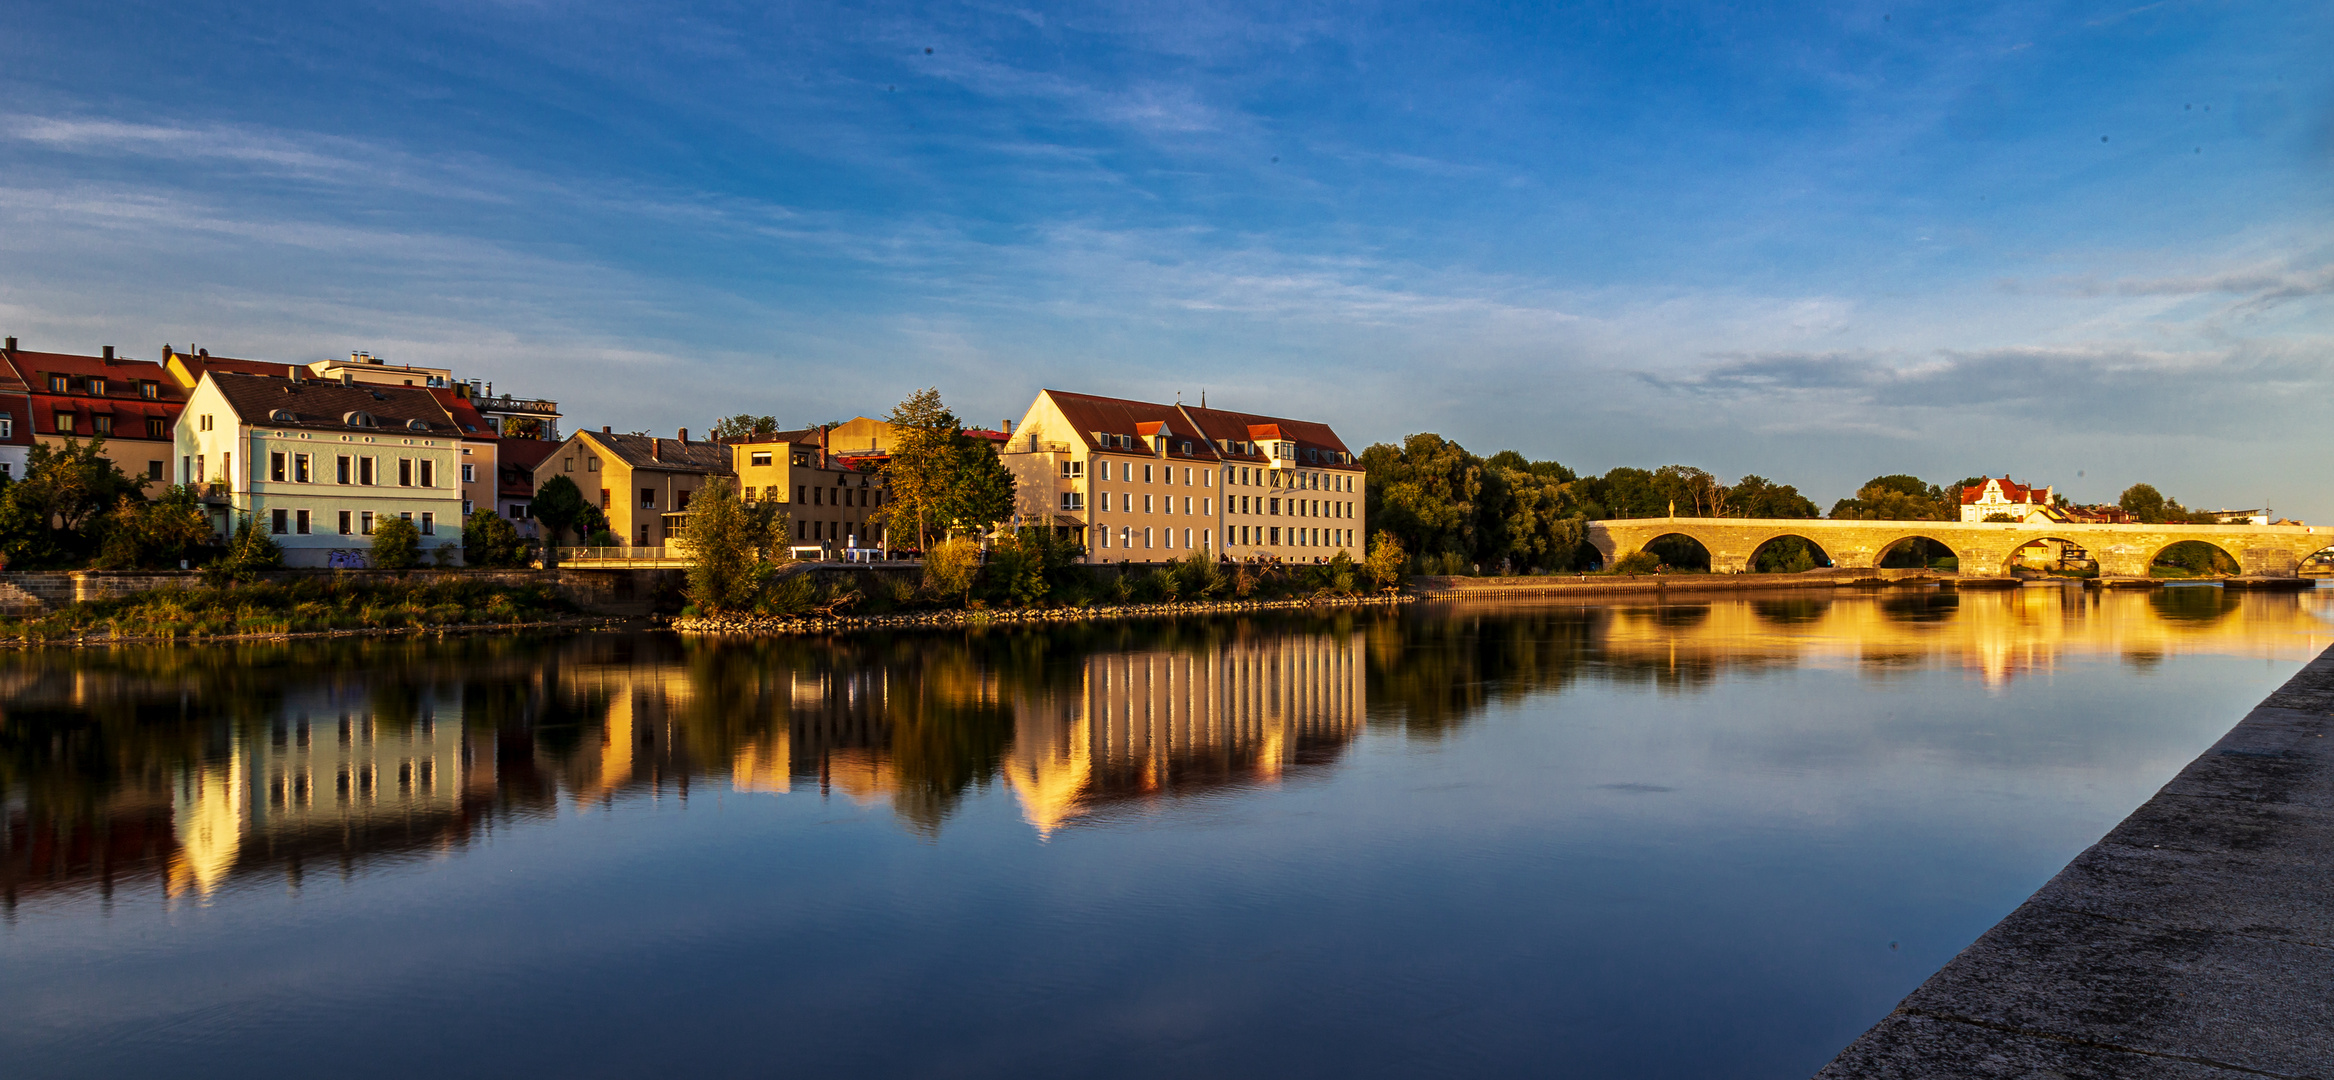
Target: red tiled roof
{"x":122,"y":399}
{"x":2011,"y":490}
{"x":1317,"y":438}
{"x":465,"y":415}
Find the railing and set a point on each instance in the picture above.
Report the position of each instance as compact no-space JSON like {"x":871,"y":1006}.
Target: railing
{"x":635,"y":555}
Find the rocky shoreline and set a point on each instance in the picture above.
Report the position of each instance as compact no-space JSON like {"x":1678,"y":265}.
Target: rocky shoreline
{"x":823,"y":624}
{"x":93,"y":640}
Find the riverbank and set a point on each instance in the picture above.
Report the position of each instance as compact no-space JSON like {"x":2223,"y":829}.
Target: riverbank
{"x":314,"y":607}
{"x":2193,"y":941}
{"x":749,"y":625}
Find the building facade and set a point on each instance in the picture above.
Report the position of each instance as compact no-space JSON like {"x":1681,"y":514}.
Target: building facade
{"x":828,"y":502}
{"x":1140,"y":481}
{"x":131,"y":404}
{"x":319,"y":465}
{"x":635,"y":479}
{"x":2004,"y":496}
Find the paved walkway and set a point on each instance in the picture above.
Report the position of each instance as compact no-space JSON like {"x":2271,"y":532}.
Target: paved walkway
{"x":2195,"y":941}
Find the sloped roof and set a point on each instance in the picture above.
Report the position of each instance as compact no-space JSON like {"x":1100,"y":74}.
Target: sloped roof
{"x":670,"y":455}
{"x":1250,"y":427}
{"x":1089,"y":414}
{"x":320,"y":405}
{"x":2011,"y":490}
{"x":466,"y":418}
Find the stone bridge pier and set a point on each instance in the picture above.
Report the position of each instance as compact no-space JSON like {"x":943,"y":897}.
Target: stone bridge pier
{"x":1982,"y":548}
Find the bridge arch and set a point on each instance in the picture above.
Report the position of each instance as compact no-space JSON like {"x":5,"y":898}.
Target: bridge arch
{"x":2319,"y":563}
{"x":2194,"y":557}
{"x":1917,"y":550}
{"x":1680,"y":551}
{"x":1787,"y":553}
{"x":2050,"y":553}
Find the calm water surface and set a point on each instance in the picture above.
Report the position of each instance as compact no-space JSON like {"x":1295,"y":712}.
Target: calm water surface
{"x":1699,"y":840}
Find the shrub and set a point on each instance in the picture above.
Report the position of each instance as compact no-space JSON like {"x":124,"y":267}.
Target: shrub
{"x":951,"y":567}
{"x":1637,"y":562}
{"x":489,"y":539}
{"x":396,"y":544}
{"x":1387,"y":561}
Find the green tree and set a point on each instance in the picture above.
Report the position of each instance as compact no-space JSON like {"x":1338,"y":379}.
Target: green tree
{"x":560,"y":506}
{"x":1016,"y":573}
{"x":918,"y":477}
{"x":978,"y":492}
{"x":490,"y":540}
{"x":53,"y":517}
{"x":1756,"y":496}
{"x":744,"y":427}
{"x":2144,"y":503}
{"x":249,"y":552}
{"x":1425,"y":493}
{"x":154,"y":534}
{"x":1899,"y":497}
{"x":396,"y":544}
{"x":1387,"y":561}
{"x":732,"y":545}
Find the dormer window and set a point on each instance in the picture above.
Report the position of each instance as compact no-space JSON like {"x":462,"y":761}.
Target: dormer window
{"x":358,"y":418}
{"x":60,"y":384}
{"x":150,"y":390}
{"x":281,"y":416}
{"x":417,"y":424}
{"x":97,"y":385}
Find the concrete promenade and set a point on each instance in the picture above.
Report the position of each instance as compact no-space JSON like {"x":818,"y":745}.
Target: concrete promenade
{"x":2195,"y":941}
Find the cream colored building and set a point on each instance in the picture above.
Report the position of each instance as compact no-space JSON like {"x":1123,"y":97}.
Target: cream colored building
{"x":1142,"y":482}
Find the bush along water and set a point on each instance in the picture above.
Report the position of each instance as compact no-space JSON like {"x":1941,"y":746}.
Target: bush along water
{"x":1033,"y":574}
{"x":307,"y":606}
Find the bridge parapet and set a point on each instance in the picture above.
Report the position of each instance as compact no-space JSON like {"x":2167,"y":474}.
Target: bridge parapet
{"x":1983,"y":548}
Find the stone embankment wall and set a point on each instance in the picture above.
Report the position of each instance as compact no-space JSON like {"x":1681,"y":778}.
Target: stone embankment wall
{"x":807,"y":624}
{"x":627,"y":592}
{"x":2196,"y":940}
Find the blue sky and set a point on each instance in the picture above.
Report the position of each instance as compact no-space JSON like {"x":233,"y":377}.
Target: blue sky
{"x":2086,"y":243}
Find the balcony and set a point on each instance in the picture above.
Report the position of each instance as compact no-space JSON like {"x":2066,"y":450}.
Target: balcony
{"x":214,"y":494}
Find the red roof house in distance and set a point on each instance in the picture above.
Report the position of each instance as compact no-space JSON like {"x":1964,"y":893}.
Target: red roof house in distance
{"x":2005,"y":496}
{"x":15,"y":420}
{"x":131,"y":404}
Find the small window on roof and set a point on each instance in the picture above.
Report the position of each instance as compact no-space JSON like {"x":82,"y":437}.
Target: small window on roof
{"x":358,"y":418}
{"x":417,"y":424}
{"x":281,"y":416}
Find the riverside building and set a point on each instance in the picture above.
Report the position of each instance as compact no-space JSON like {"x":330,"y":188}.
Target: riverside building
{"x":1139,"y":481}
{"x":318,"y":465}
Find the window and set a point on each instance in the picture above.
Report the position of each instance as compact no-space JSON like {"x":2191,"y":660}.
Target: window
{"x":567,"y":463}
{"x":760,"y":457}
{"x":1073,"y":469}
{"x":300,"y":522}
{"x":680,"y":501}
{"x":368,"y":471}
{"x":60,"y":384}
{"x":275,"y":468}
{"x":469,"y":508}
{"x":341,"y":472}
{"x":429,"y":523}
{"x":770,"y":493}
{"x":1146,"y":538}
{"x":1072,"y":500}
{"x":344,"y":526}
{"x":648,"y":498}
{"x":1146,"y":504}
{"x":1275,"y":538}
{"x":101,"y":424}
{"x":153,"y":470}
{"x":1275,"y":507}
{"x":404,"y":472}
{"x":429,"y":473}
{"x":64,"y":423}
{"x":157,"y":428}
{"x":469,"y":471}
{"x":186,"y":469}
{"x":603,"y":498}
{"x":150,"y":390}
{"x":279,"y":521}
{"x":406,"y":515}
{"x":801,"y":494}
{"x":97,"y":385}
{"x":365,"y":522}
{"x":1146,"y":473}
{"x":7,"y":427}
{"x":203,"y":422}
{"x":591,"y":464}
{"x":304,"y":468}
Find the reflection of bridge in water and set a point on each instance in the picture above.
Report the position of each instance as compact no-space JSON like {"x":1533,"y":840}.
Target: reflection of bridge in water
{"x":1983,"y":548}
{"x":1997,"y":633}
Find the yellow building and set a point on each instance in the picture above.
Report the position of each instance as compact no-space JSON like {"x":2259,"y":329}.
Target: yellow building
{"x":827,"y":501}
{"x":1138,"y":481}
{"x":636,"y":479}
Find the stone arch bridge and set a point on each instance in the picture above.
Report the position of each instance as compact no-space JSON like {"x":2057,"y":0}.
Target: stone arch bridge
{"x":1984,"y":548}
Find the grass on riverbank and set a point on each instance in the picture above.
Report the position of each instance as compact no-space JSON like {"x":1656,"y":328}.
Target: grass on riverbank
{"x":300,"y":607}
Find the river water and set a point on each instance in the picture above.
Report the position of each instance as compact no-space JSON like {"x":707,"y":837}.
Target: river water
{"x":1708,"y":839}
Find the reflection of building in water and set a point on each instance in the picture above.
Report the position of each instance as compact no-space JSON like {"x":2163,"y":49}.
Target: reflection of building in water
{"x":325,"y":779}
{"x":1999,"y":634}
{"x":1142,"y":724}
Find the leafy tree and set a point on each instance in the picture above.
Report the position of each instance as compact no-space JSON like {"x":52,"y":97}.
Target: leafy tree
{"x":396,"y":544}
{"x":978,"y":492}
{"x":1637,"y":562}
{"x":490,"y":540}
{"x":154,"y":534}
{"x":1755,"y":496}
{"x":917,"y":478}
{"x":1424,"y":492}
{"x":1016,"y":573}
{"x":1899,"y":497}
{"x":2002,"y":517}
{"x":51,"y":518}
{"x":249,"y":552}
{"x":732,"y":545}
{"x":1387,"y":560}
{"x":561,"y":506}
{"x":744,"y":427}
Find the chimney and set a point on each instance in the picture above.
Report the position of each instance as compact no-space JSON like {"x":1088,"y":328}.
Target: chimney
{"x":684,"y":436}
{"x":109,"y":354}
{"x":656,"y":449}
{"x":1008,"y":428}
{"x":606,"y":430}
{"x":11,"y":344}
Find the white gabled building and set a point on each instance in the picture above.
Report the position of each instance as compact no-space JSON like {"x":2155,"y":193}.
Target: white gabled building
{"x":318,"y":464}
